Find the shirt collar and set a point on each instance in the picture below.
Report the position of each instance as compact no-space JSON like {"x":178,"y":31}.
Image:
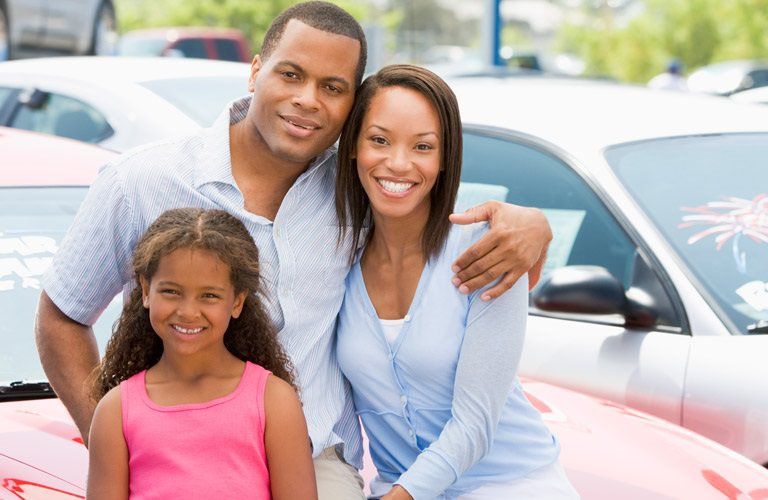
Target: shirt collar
{"x":216,"y":160}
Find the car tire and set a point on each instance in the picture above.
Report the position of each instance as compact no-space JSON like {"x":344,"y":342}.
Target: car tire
{"x":104,"y":34}
{"x":5,"y":33}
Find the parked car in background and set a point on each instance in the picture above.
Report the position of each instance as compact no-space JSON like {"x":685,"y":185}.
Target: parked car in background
{"x":657,"y":279}
{"x":35,"y":27}
{"x":728,"y":77}
{"x":225,"y":44}
{"x":117,"y":102}
{"x":754,"y":96}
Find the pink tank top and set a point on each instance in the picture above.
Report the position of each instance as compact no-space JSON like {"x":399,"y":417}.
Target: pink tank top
{"x":201,"y":450}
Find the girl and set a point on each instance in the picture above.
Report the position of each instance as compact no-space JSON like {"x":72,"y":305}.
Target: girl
{"x":432,"y":370}
{"x":187,"y":407}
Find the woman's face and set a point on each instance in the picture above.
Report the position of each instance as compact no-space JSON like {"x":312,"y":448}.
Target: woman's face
{"x":398,"y":153}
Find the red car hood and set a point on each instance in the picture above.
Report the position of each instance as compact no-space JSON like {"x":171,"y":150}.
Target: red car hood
{"x":611,"y":451}
{"x":41,"y":453}
{"x":608,"y":451}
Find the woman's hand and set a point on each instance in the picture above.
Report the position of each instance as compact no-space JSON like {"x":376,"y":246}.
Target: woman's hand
{"x":397,"y":493}
{"x":516,"y":243}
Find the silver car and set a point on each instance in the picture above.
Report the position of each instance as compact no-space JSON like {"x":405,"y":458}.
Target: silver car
{"x":656,"y":286}
{"x":33,"y":27}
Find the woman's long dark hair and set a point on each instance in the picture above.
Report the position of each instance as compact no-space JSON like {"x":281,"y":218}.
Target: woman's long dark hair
{"x":135,"y":346}
{"x":352,"y":204}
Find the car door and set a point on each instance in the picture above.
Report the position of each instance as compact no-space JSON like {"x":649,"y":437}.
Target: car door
{"x":27,"y":21}
{"x":67,"y":21}
{"x":595,"y":354}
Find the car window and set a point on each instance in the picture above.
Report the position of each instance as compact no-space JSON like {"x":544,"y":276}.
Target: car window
{"x":63,"y":116}
{"x":191,"y":47}
{"x":32,"y":224}
{"x":585,"y":232}
{"x":227,"y":50}
{"x":5,"y":92}
{"x":759,"y":78}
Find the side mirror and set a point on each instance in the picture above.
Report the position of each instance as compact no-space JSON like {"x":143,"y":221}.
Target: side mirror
{"x":593,"y":290}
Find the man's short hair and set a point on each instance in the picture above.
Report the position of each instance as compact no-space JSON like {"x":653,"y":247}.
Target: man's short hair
{"x":323,"y":16}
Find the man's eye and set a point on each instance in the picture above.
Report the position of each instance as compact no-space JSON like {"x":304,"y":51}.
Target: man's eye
{"x":334,"y":89}
{"x":290,"y":74}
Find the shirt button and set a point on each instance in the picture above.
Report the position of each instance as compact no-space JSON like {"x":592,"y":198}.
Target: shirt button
{"x":410,"y":432}
{"x":404,"y":400}
{"x":391,"y":356}
{"x":407,"y":317}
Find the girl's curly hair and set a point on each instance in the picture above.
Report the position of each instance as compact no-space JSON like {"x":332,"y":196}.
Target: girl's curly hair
{"x":134,"y":345}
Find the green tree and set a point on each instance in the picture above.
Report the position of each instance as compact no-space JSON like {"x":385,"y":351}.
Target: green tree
{"x":697,"y":32}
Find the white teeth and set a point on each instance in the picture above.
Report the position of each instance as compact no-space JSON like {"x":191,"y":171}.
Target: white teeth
{"x":187,"y":331}
{"x":395,"y":187}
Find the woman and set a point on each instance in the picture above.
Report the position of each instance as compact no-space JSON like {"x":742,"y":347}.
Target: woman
{"x":432,"y":370}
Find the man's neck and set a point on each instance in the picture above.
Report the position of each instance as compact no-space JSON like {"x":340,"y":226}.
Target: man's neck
{"x":263,"y":178}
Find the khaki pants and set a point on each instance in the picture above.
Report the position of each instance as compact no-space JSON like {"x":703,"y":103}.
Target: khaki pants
{"x":336,"y":479}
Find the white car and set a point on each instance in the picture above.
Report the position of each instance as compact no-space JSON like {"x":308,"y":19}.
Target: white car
{"x":754,"y":96}
{"x":33,"y":27}
{"x":117,"y":102}
{"x":656,"y":287}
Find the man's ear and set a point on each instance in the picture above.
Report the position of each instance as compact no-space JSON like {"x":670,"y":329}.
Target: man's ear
{"x":256,"y":65}
{"x":144,"y":292}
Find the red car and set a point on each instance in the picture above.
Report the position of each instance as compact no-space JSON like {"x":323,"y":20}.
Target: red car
{"x":224,"y":44}
{"x":608,"y":450}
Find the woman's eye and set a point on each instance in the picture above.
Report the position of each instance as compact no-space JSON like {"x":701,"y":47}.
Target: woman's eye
{"x":424,"y":147}
{"x":378,"y":140}
{"x":169,"y":291}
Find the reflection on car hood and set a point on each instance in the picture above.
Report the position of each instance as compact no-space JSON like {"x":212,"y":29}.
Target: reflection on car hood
{"x":611,"y":451}
{"x":40,"y":449}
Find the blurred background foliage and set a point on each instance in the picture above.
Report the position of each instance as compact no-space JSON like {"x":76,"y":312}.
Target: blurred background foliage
{"x":696,"y":32}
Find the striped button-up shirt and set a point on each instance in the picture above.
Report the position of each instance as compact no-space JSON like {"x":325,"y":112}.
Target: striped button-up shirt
{"x":302,"y":267}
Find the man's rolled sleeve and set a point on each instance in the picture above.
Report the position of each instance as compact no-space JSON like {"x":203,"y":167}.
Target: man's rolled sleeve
{"x":94,"y":259}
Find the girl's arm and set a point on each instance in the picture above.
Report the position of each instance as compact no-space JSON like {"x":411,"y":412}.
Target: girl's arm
{"x":289,"y":458}
{"x":108,"y":453}
{"x":486,"y":370}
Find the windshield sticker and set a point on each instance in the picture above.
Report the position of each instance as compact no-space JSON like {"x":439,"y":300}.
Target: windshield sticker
{"x":755,"y":294}
{"x":730,"y":219}
{"x":474,"y":193}
{"x":565,"y":226}
{"x":23,"y":261}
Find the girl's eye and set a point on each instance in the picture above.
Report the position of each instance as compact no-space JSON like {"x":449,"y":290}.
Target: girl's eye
{"x":378,"y":139}
{"x":210,"y":296}
{"x":169,"y":291}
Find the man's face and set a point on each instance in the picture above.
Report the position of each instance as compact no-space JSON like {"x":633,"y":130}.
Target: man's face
{"x":303,"y":91}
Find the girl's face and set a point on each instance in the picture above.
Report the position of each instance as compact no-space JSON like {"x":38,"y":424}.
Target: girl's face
{"x":191,"y":300}
{"x":398,"y":152}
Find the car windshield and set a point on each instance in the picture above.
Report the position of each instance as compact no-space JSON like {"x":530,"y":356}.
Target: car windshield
{"x":200,"y":98}
{"x":708,"y":195}
{"x":32,"y":223}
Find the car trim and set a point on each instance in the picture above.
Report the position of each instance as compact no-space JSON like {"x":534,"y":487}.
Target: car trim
{"x":633,"y":235}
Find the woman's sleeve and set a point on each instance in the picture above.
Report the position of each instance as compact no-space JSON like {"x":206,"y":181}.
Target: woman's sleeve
{"x":486,"y":370}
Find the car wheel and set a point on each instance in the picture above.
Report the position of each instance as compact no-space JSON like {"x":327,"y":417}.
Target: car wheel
{"x":5,"y":33}
{"x":104,"y":35}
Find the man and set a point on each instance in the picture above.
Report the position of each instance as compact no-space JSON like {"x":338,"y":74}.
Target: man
{"x":269,"y":161}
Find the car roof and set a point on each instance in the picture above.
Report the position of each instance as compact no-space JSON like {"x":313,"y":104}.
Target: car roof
{"x":759,"y":94}
{"x":32,"y":159}
{"x":97,"y":69}
{"x":590,"y":115}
